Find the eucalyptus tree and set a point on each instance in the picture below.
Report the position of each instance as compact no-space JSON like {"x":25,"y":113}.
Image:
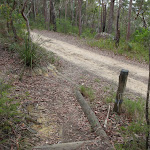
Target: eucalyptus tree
{"x":129,"y":21}
{"x":111,"y":17}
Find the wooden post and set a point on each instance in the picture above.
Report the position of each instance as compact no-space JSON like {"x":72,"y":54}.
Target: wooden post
{"x":119,"y":96}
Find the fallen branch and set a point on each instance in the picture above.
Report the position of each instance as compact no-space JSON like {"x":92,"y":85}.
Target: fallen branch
{"x":105,"y":124}
{"x":95,"y":125}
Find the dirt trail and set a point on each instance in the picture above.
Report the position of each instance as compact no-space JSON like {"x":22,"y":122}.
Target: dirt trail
{"x":102,"y":66}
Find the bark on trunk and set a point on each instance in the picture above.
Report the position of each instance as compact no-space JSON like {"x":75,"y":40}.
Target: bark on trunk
{"x":111,"y":17}
{"x":76,"y":17}
{"x":33,"y":9}
{"x":86,"y":17}
{"x":66,"y":8}
{"x":52,"y":15}
{"x":12,"y":23}
{"x":147,"y":108}
{"x":72,"y":11}
{"x":45,"y":11}
{"x":144,"y":22}
{"x":117,"y":37}
{"x":104,"y":17}
{"x":80,"y":7}
{"x":129,"y":21}
{"x":26,"y":19}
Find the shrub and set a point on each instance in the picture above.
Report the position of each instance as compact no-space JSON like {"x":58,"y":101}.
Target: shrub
{"x":142,"y":36}
{"x":87,"y":92}
{"x":87,"y":32}
{"x":65,"y":26}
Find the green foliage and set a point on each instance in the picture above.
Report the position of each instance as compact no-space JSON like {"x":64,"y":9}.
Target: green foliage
{"x":133,"y":136}
{"x":134,"y":109}
{"x":8,"y":112}
{"x":88,"y":33}
{"x":39,"y":23}
{"x":28,"y":52}
{"x":11,"y":121}
{"x":111,"y":97}
{"x":87,"y":92}
{"x":137,"y":129}
{"x":130,"y":49}
{"x":65,"y":26}
{"x":142,"y":36}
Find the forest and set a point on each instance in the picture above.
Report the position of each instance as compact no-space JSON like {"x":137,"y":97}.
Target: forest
{"x":59,"y":65}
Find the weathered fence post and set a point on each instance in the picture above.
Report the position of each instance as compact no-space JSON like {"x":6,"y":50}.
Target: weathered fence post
{"x":122,"y":84}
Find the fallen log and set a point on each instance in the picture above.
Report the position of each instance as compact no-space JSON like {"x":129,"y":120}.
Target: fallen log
{"x":95,"y":125}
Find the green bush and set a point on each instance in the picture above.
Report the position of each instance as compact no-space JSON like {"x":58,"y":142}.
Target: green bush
{"x":39,"y":23}
{"x":88,"y":33}
{"x":87,"y":92}
{"x":142,"y":36}
{"x":8,"y":114}
{"x":65,"y":26}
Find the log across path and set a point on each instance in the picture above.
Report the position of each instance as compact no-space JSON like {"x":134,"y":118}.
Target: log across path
{"x":103,"y":66}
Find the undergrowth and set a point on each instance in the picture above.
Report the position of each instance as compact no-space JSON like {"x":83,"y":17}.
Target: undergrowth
{"x":88,"y":92}
{"x":133,"y":132}
{"x":130,"y":49}
{"x":11,"y":121}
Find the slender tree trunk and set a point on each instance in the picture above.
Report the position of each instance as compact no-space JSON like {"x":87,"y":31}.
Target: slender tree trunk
{"x":129,"y":21}
{"x":45,"y":11}
{"x":111,"y":16}
{"x":76,"y":17}
{"x":104,"y":17}
{"x":117,"y":38}
{"x":33,"y":8}
{"x":86,"y":15}
{"x":52,"y":15}
{"x":66,"y":8}
{"x":144,"y":22}
{"x":72,"y":11}
{"x":26,"y":19}
{"x":99,"y":17}
{"x":80,"y":25}
{"x":12,"y":23}
{"x":147,"y":108}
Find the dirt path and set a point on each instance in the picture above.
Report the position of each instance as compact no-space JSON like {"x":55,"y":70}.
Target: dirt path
{"x":102,"y":66}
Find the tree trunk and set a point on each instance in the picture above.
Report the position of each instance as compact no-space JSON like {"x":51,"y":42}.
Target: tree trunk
{"x":99,"y":18}
{"x":45,"y":11}
{"x":76,"y":17}
{"x":72,"y":11}
{"x":129,"y":21}
{"x":26,"y":19}
{"x":86,"y":15}
{"x":144,"y":22}
{"x":52,"y":15}
{"x":12,"y":23}
{"x":66,"y":8}
{"x":147,"y":108}
{"x":117,"y":37}
{"x":104,"y":17}
{"x":80,"y":25}
{"x":111,"y":17}
{"x":33,"y":9}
